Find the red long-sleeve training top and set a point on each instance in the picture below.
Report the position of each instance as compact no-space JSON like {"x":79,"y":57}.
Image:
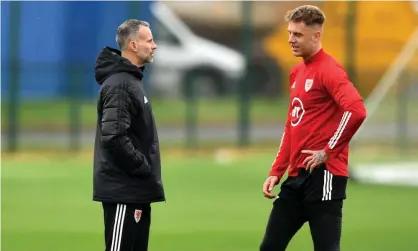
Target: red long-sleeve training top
{"x":325,"y":111}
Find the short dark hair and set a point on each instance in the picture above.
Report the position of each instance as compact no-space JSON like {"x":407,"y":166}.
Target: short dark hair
{"x":128,"y":29}
{"x":308,"y":14}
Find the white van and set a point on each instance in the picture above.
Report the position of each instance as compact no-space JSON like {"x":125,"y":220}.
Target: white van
{"x":182,"y":58}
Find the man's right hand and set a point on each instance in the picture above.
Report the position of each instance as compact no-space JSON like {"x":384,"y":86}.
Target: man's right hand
{"x":268,"y":186}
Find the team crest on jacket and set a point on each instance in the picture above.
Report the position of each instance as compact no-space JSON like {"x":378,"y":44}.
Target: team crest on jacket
{"x":308,"y":84}
{"x":137,"y":215}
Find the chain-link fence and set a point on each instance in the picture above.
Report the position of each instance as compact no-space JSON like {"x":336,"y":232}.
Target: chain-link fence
{"x":220,"y":74}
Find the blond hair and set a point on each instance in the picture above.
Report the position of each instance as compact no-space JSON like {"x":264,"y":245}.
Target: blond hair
{"x":308,"y":14}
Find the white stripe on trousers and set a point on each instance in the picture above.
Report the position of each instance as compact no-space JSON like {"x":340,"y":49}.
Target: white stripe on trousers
{"x":327,"y":187}
{"x":118,"y":227}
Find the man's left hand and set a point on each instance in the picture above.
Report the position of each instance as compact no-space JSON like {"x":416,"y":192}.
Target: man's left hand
{"x":315,"y":159}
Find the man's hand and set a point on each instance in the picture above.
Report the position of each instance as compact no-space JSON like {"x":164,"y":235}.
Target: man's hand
{"x":315,"y":159}
{"x":269,"y":185}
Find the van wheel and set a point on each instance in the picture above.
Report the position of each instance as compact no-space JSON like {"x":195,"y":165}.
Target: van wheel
{"x":265,"y":78}
{"x":203,"y":83}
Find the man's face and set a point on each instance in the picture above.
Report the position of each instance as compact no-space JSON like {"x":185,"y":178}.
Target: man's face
{"x":302,"y":38}
{"x":144,"y":45}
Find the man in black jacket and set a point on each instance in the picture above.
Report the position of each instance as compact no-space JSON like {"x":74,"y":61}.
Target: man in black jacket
{"x":127,"y":167}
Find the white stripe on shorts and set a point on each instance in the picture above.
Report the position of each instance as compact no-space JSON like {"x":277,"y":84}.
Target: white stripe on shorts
{"x":327,"y":187}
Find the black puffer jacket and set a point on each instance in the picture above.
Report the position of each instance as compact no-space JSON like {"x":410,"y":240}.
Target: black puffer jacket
{"x":127,"y":166}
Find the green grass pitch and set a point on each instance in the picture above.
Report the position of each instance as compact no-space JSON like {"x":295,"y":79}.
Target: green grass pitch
{"x":46,"y":205}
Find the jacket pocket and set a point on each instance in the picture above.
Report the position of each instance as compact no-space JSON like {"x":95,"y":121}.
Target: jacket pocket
{"x":144,"y":170}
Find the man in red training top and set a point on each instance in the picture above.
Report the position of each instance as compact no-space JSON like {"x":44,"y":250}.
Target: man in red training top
{"x":325,"y":111}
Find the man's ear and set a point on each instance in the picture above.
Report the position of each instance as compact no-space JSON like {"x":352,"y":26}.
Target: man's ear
{"x":132,"y":45}
{"x":317,"y":34}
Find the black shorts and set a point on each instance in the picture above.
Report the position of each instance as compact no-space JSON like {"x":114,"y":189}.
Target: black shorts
{"x":316,"y":198}
{"x":126,"y":226}
{"x":320,"y":185}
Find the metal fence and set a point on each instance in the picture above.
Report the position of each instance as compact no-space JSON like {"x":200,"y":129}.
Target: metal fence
{"x":219,"y":77}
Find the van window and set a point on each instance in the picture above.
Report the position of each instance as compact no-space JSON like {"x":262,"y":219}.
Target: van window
{"x":162,"y":34}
